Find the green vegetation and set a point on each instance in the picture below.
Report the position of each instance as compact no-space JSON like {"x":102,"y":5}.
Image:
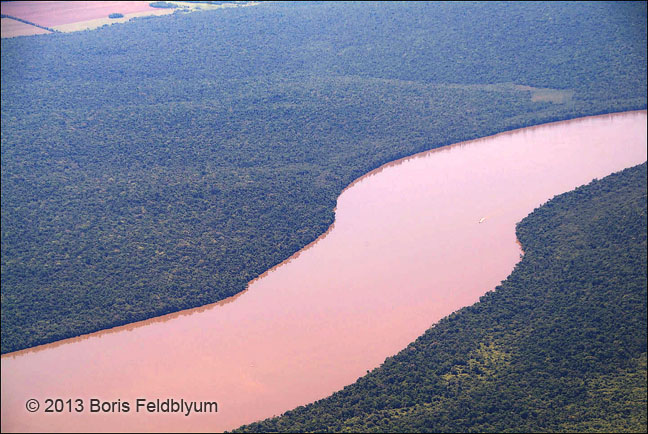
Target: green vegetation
{"x":163,"y":163}
{"x":163,"y":5}
{"x":559,"y":346}
{"x":116,"y":15}
{"x":29,"y":22}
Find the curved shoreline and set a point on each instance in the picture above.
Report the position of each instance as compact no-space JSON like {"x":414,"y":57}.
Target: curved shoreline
{"x":370,"y":174}
{"x":406,"y":250}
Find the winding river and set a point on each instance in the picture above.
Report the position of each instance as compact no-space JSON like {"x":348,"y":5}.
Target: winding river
{"x":412,"y":242}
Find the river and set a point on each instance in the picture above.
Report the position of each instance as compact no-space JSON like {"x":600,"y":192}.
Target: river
{"x":412,"y":242}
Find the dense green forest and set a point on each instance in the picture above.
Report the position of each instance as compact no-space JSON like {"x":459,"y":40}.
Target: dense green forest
{"x":558,"y":346}
{"x":163,"y":163}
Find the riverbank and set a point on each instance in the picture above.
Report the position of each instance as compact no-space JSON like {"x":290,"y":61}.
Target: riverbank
{"x":406,"y":250}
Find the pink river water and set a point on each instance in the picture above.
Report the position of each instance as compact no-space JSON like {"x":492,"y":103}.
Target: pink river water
{"x":412,"y":242}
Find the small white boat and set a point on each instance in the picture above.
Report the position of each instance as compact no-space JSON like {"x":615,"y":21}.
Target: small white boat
{"x":481,"y":220}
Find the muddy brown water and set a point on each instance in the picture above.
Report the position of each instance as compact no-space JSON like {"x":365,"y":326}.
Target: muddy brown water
{"x":412,"y":242}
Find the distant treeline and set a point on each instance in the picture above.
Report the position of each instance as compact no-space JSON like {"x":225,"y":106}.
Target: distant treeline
{"x":560,"y":346}
{"x":163,"y":163}
{"x":28,"y":22}
{"x":216,"y":2}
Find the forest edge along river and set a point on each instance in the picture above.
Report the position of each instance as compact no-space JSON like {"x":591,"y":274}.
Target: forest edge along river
{"x":412,"y":242}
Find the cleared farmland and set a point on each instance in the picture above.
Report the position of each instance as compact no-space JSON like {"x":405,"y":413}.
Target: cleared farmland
{"x":56,"y":13}
{"x":64,"y":16}
{"x":12,"y":28}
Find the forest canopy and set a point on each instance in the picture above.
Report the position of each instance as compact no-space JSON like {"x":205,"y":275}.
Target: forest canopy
{"x":560,"y":346}
{"x":161,"y":164}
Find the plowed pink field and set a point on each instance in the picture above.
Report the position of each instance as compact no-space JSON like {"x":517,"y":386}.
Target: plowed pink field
{"x":11,"y":28}
{"x":55,"y":13}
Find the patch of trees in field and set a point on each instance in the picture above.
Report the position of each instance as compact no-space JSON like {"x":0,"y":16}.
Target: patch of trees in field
{"x":163,"y":5}
{"x":559,"y":346}
{"x":163,"y":163}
